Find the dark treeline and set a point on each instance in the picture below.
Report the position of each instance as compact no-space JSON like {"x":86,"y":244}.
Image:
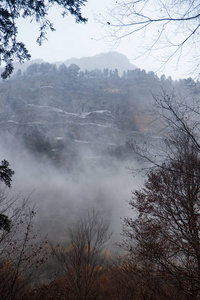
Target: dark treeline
{"x":74,"y":71}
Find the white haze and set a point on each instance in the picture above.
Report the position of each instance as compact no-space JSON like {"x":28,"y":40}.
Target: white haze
{"x":61,"y":197}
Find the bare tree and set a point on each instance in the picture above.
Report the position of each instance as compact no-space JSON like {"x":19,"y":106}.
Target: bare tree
{"x":21,"y":253}
{"x":179,"y":114}
{"x":159,"y":24}
{"x":137,"y":278}
{"x":165,"y":231}
{"x":177,"y":122}
{"x":83,"y":259}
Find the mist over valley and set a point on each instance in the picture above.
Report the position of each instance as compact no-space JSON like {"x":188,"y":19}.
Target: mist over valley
{"x":70,"y":133}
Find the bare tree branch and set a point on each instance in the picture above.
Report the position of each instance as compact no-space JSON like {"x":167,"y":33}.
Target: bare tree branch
{"x":160,"y":24}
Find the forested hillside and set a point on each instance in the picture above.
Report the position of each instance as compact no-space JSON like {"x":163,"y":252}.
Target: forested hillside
{"x":59,"y":111}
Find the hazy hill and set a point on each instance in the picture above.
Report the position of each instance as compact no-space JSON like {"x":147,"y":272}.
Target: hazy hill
{"x":111,"y":60}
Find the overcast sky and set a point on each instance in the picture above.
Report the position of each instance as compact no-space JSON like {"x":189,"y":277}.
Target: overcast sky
{"x":79,"y":40}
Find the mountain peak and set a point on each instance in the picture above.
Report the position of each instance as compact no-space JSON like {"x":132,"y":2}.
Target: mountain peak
{"x":110,"y":60}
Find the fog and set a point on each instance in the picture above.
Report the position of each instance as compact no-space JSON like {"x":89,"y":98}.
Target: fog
{"x":61,"y":197}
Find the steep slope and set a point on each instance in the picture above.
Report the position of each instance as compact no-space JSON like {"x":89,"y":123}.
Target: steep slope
{"x":69,"y":115}
{"x":67,"y":119}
